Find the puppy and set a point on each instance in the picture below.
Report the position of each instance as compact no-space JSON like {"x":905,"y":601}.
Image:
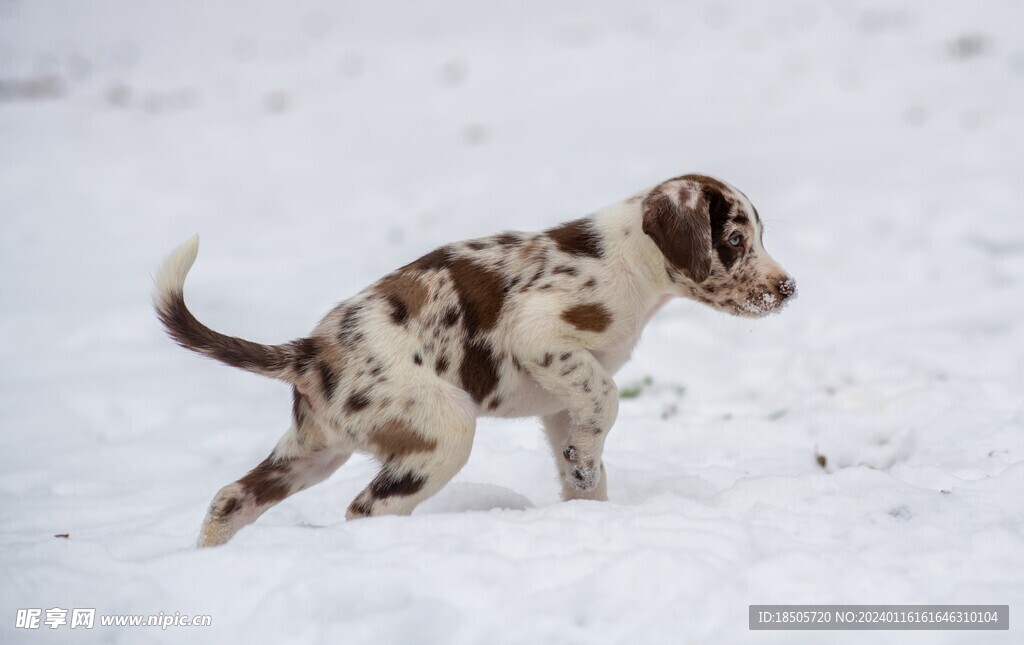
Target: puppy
{"x":512,"y":325}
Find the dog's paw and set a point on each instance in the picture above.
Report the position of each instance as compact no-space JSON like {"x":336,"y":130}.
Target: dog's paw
{"x":583,"y":478}
{"x":581,"y":473}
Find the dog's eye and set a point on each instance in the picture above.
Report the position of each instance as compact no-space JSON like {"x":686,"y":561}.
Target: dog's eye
{"x":735,"y":240}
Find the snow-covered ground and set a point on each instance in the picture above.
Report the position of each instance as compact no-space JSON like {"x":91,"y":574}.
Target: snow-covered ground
{"x":866,"y":446}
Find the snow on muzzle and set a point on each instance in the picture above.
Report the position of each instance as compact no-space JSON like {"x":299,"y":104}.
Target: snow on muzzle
{"x":769,"y":299}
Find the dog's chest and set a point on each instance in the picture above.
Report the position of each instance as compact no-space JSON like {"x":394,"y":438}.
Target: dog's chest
{"x":522,"y":396}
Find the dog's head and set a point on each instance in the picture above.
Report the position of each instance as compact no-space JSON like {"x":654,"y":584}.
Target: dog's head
{"x":711,"y":238}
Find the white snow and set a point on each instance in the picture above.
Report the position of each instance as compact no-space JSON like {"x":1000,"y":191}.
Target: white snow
{"x":315,"y":146}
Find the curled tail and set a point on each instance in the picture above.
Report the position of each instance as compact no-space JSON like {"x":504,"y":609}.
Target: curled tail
{"x":276,"y":361}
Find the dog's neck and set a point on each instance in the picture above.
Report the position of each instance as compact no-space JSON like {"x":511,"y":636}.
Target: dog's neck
{"x":632,"y":251}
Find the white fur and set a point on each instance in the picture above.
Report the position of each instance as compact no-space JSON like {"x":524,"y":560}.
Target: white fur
{"x":170,"y":279}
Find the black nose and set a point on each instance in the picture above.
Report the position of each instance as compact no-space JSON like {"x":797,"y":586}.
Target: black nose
{"x":787,"y":288}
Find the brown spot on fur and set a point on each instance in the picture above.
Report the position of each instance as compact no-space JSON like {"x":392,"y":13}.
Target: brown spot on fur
{"x":441,"y":366}
{"x":718,"y":210}
{"x":451,"y":316}
{"x":565,"y":356}
{"x":388,"y":484}
{"x":547,"y":360}
{"x":358,"y":401}
{"x":229,"y":507}
{"x":509,"y":239}
{"x":360,"y":508}
{"x":481,"y":294}
{"x":416,"y":358}
{"x":267,"y":482}
{"x":495,"y":403}
{"x":299,"y":407}
{"x":565,"y":270}
{"x":441,"y":258}
{"x":578,"y":238}
{"x":328,"y":379}
{"x":348,"y":328}
{"x":590,"y":284}
{"x":719,"y":207}
{"x":536,"y":276}
{"x":306,"y":350}
{"x":406,"y":293}
{"x":396,"y":438}
{"x":399,"y":312}
{"x":479,"y":370}
{"x":588,"y":317}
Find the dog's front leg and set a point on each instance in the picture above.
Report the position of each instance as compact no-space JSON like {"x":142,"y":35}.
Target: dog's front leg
{"x":591,"y":400}
{"x":556,"y":429}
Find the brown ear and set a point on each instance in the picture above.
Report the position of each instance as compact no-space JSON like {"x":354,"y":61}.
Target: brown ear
{"x":681,"y":229}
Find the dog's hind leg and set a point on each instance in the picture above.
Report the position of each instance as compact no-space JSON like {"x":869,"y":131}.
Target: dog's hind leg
{"x":300,"y":460}
{"x":421,"y":451}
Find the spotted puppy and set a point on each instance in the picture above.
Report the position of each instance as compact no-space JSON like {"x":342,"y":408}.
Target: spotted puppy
{"x":513,"y":325}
